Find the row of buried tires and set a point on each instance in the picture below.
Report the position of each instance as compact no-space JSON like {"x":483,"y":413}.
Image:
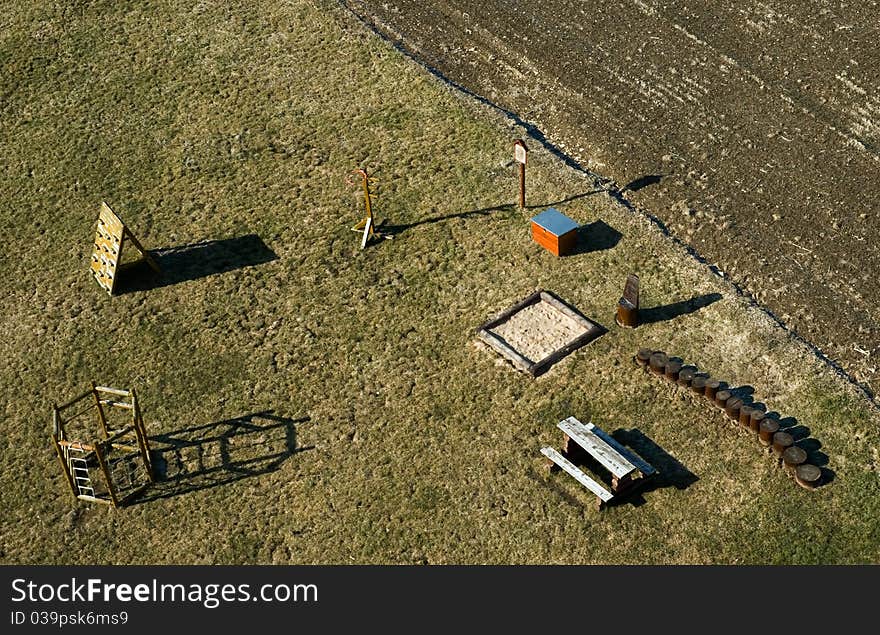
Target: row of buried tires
{"x":740,"y":409}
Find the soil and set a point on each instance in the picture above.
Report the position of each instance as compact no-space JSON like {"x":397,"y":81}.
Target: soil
{"x":750,"y":129}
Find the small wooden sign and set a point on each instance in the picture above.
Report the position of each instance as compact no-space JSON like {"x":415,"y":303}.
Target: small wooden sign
{"x":628,"y":306}
{"x":520,"y":151}
{"x":631,"y":290}
{"x":110,"y":236}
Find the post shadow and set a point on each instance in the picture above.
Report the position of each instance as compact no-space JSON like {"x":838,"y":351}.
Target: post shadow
{"x":393,"y":230}
{"x":194,"y":261}
{"x":642,"y":182}
{"x":595,"y":236}
{"x":568,"y":199}
{"x":219,"y":453}
{"x":676,"y":309}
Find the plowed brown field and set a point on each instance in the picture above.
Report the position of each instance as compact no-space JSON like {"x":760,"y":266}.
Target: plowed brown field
{"x":751,"y":129}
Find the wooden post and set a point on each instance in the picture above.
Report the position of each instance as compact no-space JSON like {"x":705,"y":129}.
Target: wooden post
{"x":721,"y":397}
{"x":672,"y":368}
{"x":781,"y":442}
{"x":766,"y":430}
{"x":61,"y":460}
{"x":643,"y":356}
{"x":808,"y":475}
{"x":520,"y":152}
{"x":732,"y":408}
{"x":658,"y":362}
{"x":101,"y":418}
{"x":712,"y":386}
{"x":698,"y":384}
{"x":686,"y":376}
{"x":792,"y":457}
{"x":107,"y":476}
{"x":140,"y":434}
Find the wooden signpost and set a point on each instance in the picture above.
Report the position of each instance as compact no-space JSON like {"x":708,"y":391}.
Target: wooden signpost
{"x":628,"y":306}
{"x":110,"y":237}
{"x":520,"y":152}
{"x":368,"y":225}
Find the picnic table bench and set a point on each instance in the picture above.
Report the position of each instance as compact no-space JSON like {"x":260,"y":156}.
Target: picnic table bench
{"x":624,"y":467}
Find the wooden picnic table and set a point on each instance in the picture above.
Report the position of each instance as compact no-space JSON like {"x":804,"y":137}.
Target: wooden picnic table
{"x":623,"y":465}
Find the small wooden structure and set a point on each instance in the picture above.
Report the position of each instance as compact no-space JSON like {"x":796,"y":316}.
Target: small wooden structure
{"x":628,"y":305}
{"x":368,"y":226}
{"x":110,"y":236}
{"x":624,"y":470}
{"x":555,"y":231}
{"x":114,"y":469}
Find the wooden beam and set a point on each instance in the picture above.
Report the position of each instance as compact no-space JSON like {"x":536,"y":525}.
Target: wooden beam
{"x":643,"y":466}
{"x":101,"y":419}
{"x":610,"y":458}
{"x":114,"y":391}
{"x":141,"y":435}
{"x":153,"y":264}
{"x":111,"y":488}
{"x":579,"y":475}
{"x":505,"y":350}
{"x":64,"y":467}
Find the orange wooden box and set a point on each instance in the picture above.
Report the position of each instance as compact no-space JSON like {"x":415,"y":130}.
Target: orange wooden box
{"x":555,"y":232}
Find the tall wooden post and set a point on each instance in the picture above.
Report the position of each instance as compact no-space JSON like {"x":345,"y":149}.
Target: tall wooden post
{"x":520,"y":151}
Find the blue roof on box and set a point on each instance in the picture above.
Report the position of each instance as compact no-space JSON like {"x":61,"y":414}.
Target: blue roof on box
{"x":555,"y":222}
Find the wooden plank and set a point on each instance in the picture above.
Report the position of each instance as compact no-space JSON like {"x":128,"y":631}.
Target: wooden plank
{"x":645,"y":468}
{"x":610,"y":458}
{"x":631,"y":290}
{"x":114,"y":391}
{"x":578,"y":474}
{"x":116,"y":404}
{"x":146,"y":255}
{"x":107,"y":249}
{"x":505,"y":350}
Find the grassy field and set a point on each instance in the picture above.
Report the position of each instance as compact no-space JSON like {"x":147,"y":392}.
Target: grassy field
{"x":318,"y":403}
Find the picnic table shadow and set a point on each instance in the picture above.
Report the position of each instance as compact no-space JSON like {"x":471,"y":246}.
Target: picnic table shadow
{"x":220,"y":453}
{"x":194,"y":261}
{"x":670,"y":471}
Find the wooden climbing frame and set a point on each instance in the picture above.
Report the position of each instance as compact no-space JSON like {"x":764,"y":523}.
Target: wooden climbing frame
{"x":110,"y":236}
{"x":114,"y":469}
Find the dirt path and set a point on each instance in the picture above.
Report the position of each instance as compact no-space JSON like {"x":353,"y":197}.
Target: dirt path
{"x":750,"y":129}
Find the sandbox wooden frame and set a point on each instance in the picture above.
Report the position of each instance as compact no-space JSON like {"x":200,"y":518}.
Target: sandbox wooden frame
{"x":521,"y":362}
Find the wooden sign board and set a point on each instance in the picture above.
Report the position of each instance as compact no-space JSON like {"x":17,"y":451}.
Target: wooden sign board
{"x":110,"y":236}
{"x":520,"y":151}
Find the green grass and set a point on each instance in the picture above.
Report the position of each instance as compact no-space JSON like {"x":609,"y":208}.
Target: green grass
{"x":211,"y":122}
